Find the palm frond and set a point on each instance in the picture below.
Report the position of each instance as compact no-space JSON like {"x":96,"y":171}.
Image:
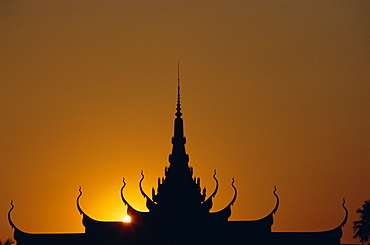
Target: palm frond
{"x":362,"y":227}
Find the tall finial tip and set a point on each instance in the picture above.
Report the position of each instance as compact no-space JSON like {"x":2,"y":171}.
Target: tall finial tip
{"x":178,"y":108}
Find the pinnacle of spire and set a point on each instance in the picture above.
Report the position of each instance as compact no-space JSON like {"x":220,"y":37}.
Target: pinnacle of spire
{"x":178,"y":156}
{"x":178,"y":108}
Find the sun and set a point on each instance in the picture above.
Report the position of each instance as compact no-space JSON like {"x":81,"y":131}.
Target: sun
{"x":126,"y":219}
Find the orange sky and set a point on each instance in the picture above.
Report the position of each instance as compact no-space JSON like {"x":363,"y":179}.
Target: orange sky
{"x":273,"y":93}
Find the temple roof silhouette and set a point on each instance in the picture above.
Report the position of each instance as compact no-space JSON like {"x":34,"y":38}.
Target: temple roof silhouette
{"x":179,"y":213}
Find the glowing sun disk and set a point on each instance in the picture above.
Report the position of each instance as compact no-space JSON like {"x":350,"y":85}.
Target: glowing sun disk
{"x":126,"y":219}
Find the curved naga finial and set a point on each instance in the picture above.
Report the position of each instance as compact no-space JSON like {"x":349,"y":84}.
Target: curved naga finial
{"x":86,"y":218}
{"x":9,"y":216}
{"x":78,"y":202}
{"x":17,"y":232}
{"x":130,"y":209}
{"x":208,"y":203}
{"x":122,"y":196}
{"x":225,"y":213}
{"x":149,"y":203}
{"x":235,"y":193}
{"x":277,"y":201}
{"x":140,"y":185}
{"x":216,"y":188}
{"x":346,"y":216}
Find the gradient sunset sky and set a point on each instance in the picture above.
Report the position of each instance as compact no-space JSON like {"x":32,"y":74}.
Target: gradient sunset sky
{"x":274,"y":92}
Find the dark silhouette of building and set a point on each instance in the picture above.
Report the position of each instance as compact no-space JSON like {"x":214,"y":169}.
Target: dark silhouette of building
{"x":179,"y":213}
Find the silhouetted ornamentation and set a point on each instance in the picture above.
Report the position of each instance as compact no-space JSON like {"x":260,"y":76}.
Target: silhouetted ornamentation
{"x":179,"y":212}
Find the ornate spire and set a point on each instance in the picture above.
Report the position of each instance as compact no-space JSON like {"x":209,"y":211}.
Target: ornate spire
{"x":178,"y":156}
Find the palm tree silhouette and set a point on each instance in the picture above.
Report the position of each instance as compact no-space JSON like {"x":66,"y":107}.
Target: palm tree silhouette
{"x":362,"y":226}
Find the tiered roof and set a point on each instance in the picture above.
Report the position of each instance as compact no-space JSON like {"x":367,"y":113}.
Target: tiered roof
{"x":178,"y":213}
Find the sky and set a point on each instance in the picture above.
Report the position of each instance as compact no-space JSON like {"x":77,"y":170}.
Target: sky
{"x":273,"y":93}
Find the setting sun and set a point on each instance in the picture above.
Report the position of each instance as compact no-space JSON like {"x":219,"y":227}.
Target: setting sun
{"x":126,"y":219}
{"x":272,"y":93}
